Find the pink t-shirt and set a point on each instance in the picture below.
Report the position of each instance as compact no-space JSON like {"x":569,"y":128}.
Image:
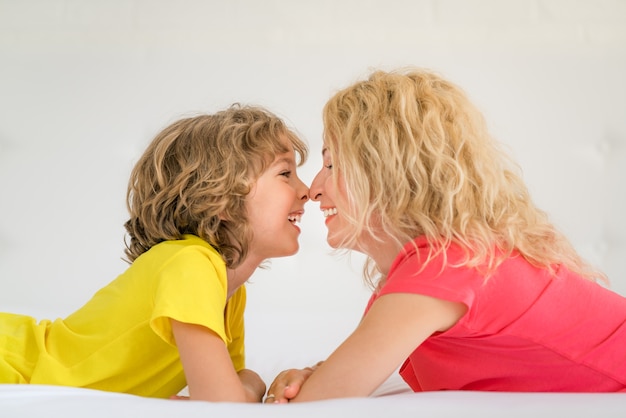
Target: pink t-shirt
{"x":524,"y":330}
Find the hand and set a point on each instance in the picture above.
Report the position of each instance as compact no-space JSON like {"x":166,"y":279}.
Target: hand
{"x":253,"y":384}
{"x":287,"y":384}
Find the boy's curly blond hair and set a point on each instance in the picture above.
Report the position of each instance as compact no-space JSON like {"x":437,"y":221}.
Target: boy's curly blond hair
{"x":194,"y":177}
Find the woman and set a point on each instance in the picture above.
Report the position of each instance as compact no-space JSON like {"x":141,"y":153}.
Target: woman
{"x":474,"y":288}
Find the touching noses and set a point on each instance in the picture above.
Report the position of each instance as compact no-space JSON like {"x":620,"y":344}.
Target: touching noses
{"x":315,"y":191}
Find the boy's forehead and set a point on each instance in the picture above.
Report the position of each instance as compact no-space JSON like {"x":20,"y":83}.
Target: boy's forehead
{"x":286,"y":157}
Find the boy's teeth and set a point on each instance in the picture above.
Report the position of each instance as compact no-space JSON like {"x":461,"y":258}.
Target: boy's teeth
{"x":331,"y":211}
{"x":296,"y":218}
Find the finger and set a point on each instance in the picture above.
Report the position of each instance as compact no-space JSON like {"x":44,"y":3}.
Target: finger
{"x":276,"y":389}
{"x":287,"y":384}
{"x":292,"y":387}
{"x":270,"y":398}
{"x":280,"y":383}
{"x":275,"y":393}
{"x":291,"y":391}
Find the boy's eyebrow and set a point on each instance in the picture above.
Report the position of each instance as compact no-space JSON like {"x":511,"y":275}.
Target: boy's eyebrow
{"x":288,"y":160}
{"x":324,"y":151}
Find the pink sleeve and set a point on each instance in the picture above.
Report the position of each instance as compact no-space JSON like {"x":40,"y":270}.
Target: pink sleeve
{"x":456,"y":284}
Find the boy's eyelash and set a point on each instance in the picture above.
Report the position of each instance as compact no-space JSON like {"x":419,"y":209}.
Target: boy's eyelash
{"x":328,"y":166}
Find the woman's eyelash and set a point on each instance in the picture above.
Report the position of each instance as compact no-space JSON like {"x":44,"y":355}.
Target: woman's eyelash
{"x":286,"y":173}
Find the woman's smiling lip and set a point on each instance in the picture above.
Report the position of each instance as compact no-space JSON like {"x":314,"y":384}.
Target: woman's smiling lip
{"x":329,"y":211}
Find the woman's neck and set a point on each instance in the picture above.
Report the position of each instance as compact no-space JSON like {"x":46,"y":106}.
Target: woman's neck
{"x":383,"y":252}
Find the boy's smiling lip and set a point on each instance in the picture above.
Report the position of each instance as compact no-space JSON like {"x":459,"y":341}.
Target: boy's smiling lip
{"x":295,"y":217}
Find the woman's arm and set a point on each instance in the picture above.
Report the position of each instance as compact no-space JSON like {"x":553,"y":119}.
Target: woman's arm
{"x":209,"y":370}
{"x":393,"y":328}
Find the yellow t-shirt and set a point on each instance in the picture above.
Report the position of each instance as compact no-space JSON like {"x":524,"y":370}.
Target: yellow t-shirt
{"x":121,"y":340}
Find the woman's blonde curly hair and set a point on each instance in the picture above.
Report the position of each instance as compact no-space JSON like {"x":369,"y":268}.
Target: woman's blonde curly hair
{"x":195,"y":175}
{"x":417,"y":160}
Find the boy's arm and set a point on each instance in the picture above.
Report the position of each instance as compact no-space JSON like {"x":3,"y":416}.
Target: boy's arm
{"x":209,"y":370}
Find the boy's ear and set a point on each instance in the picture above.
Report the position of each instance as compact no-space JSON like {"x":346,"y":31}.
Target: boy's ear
{"x":225,"y":215}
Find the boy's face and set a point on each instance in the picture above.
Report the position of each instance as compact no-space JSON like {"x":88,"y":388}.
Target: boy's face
{"x":275,"y":205}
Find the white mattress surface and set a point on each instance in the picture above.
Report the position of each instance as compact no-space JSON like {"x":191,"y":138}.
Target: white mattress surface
{"x":50,"y":401}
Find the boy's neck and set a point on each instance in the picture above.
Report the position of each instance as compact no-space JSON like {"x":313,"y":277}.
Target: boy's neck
{"x":239,"y":275}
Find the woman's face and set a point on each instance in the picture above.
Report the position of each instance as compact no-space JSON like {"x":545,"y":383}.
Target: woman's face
{"x":324,"y":191}
{"x":372,"y":241}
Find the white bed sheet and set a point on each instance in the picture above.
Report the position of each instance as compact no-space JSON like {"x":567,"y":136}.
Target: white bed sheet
{"x":391,"y":400}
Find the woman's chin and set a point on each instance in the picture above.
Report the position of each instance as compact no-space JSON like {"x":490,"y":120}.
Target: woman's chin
{"x":334,"y":241}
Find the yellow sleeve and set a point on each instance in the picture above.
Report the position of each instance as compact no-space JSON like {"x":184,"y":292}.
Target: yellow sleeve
{"x":190,"y":288}
{"x":236,"y":329}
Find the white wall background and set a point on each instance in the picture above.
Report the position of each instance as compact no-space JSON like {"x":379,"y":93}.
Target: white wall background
{"x":85,"y":85}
